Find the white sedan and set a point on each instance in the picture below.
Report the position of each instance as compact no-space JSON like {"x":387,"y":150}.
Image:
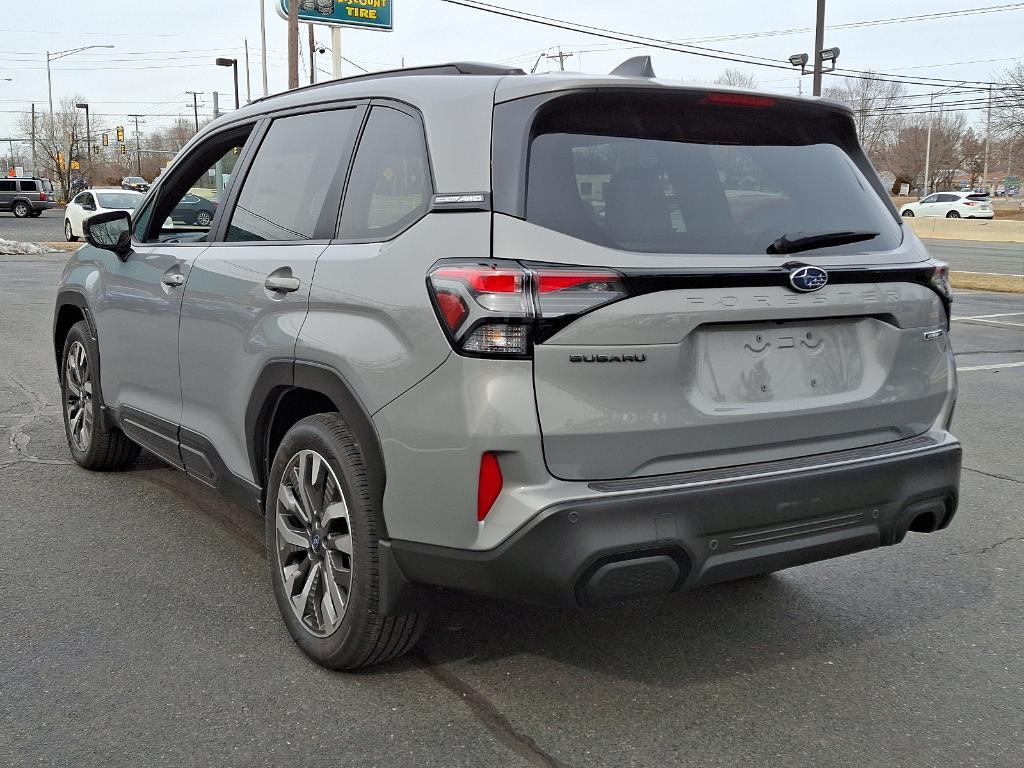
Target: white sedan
{"x":951,"y":205}
{"x":93,"y":201}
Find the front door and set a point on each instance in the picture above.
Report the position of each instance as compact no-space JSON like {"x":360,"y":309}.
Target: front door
{"x":140,"y":313}
{"x":247,"y":295}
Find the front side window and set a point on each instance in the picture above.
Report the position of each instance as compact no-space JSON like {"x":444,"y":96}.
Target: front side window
{"x":205,"y":175}
{"x":390,"y":186}
{"x":6,"y":186}
{"x":80,"y":200}
{"x":293,"y":188}
{"x":931,"y":199}
{"x":87,"y":200}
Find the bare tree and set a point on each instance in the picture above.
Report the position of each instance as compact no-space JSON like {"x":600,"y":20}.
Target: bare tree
{"x":877,"y":109}
{"x":60,"y":139}
{"x":906,"y":156}
{"x":972,"y":153}
{"x":1008,"y":104}
{"x":737,"y":78}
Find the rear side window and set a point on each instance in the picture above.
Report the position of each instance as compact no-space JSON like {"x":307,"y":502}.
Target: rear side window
{"x":665,"y":174}
{"x":293,"y":188}
{"x":28,"y":186}
{"x":390,"y":185}
{"x":948,"y":198}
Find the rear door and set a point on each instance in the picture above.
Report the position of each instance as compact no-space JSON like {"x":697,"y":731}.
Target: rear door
{"x":725,"y":351}
{"x":248,"y":295}
{"x":7,"y":192}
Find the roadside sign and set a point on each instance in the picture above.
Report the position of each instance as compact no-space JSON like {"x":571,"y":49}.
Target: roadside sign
{"x":75,"y":165}
{"x":366,"y":14}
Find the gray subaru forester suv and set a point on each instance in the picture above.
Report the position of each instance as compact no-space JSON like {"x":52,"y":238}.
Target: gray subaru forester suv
{"x":556,"y":338}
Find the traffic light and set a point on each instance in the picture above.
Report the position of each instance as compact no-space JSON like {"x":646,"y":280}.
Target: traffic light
{"x":106,"y":140}
{"x":120,"y":133}
{"x":123,"y":149}
{"x":95,"y":149}
{"x":60,"y":161}
{"x":75,"y":165}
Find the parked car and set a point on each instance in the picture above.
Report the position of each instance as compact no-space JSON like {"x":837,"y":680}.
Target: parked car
{"x":26,"y":196}
{"x":951,"y":205}
{"x":136,"y":183}
{"x":439,"y":366}
{"x":193,"y":209}
{"x":94,"y":201}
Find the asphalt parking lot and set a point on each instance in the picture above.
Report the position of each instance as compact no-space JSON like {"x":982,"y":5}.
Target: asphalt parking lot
{"x":48,"y":227}
{"x":139,"y":627}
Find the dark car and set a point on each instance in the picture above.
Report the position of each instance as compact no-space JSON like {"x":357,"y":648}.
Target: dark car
{"x":26,"y":197}
{"x":193,"y":209}
{"x":137,"y":183}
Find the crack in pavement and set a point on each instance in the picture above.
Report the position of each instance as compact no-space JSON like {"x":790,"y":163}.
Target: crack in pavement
{"x":986,"y":549}
{"x":19,"y":439}
{"x":34,"y":460}
{"x":489,"y":716}
{"x":993,"y":475}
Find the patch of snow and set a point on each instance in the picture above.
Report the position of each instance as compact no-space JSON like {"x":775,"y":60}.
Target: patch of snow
{"x":14,"y":248}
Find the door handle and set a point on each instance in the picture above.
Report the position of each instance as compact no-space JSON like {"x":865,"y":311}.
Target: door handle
{"x":173,"y":279}
{"x":281,"y":284}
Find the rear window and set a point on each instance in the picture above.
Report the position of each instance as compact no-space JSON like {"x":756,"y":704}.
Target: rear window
{"x":118,"y":200}
{"x":978,"y":196}
{"x":665,"y":174}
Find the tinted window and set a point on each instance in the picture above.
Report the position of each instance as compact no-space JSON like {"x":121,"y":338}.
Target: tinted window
{"x":661,"y":174}
{"x":293,"y":188}
{"x":978,"y":197}
{"x":947,"y":198}
{"x":80,"y":199}
{"x":87,"y":199}
{"x":28,"y":186}
{"x":205,"y":172}
{"x":931,"y":199}
{"x":390,"y":186}
{"x":6,"y":186}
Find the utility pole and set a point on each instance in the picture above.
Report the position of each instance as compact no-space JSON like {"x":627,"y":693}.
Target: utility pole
{"x":248,"y":86}
{"x":263,"y":37}
{"x":819,"y":43}
{"x":928,"y":147}
{"x":563,"y":56}
{"x":293,"y":44}
{"x":216,"y":105}
{"x":336,"y":52}
{"x":138,"y":146}
{"x":35,"y":169}
{"x":195,"y":105}
{"x":988,"y":135}
{"x":312,"y":55}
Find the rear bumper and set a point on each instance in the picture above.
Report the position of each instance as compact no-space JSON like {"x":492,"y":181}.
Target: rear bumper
{"x":633,"y":544}
{"x":41,"y":205}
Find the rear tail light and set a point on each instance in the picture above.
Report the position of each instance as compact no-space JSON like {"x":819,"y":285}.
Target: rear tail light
{"x":499,"y":308}
{"x":43,"y":197}
{"x":968,"y":202}
{"x":739,"y":100}
{"x":940,"y":284}
{"x":489,"y":486}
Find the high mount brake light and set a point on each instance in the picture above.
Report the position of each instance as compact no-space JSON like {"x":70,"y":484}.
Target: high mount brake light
{"x":493,"y":308}
{"x":738,"y":100}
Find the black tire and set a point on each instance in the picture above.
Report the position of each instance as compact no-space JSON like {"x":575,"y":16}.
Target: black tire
{"x":106,"y":448}
{"x":203,"y":218}
{"x":907,"y":214}
{"x":21,"y":209}
{"x":362,"y":636}
{"x":69,"y":234}
{"x":952,"y":215}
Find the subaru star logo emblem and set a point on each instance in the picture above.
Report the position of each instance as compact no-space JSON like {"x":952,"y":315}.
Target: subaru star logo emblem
{"x":316,"y":542}
{"x":807,"y":279}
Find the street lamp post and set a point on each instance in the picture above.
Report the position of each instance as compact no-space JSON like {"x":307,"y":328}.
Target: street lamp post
{"x":233,"y":63}
{"x":60,"y":55}
{"x":928,"y":139}
{"x":88,"y":135}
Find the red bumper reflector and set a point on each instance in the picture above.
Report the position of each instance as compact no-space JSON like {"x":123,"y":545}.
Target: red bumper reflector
{"x":490,"y":484}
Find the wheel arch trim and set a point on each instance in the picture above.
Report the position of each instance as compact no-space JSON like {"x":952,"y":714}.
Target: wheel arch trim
{"x":277,"y":378}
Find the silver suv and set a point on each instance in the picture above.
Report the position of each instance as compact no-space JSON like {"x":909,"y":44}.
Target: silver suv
{"x":558,"y":338}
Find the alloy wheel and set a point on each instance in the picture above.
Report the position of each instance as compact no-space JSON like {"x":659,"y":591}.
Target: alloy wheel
{"x":69,"y":234}
{"x":78,"y":396}
{"x":203,"y":219}
{"x":314,"y":543}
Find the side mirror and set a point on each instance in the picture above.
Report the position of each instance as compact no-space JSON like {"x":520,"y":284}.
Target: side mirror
{"x":111,"y":231}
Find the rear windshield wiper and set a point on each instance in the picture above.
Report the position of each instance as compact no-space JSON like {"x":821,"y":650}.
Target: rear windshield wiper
{"x":794,"y":242}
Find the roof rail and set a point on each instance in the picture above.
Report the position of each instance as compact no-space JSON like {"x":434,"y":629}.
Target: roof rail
{"x":451,"y":68}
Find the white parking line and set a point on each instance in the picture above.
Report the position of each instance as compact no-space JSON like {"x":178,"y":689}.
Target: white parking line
{"x":996,"y":322}
{"x":992,"y":367}
{"x":986,"y":317}
{"x":994,"y":274}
